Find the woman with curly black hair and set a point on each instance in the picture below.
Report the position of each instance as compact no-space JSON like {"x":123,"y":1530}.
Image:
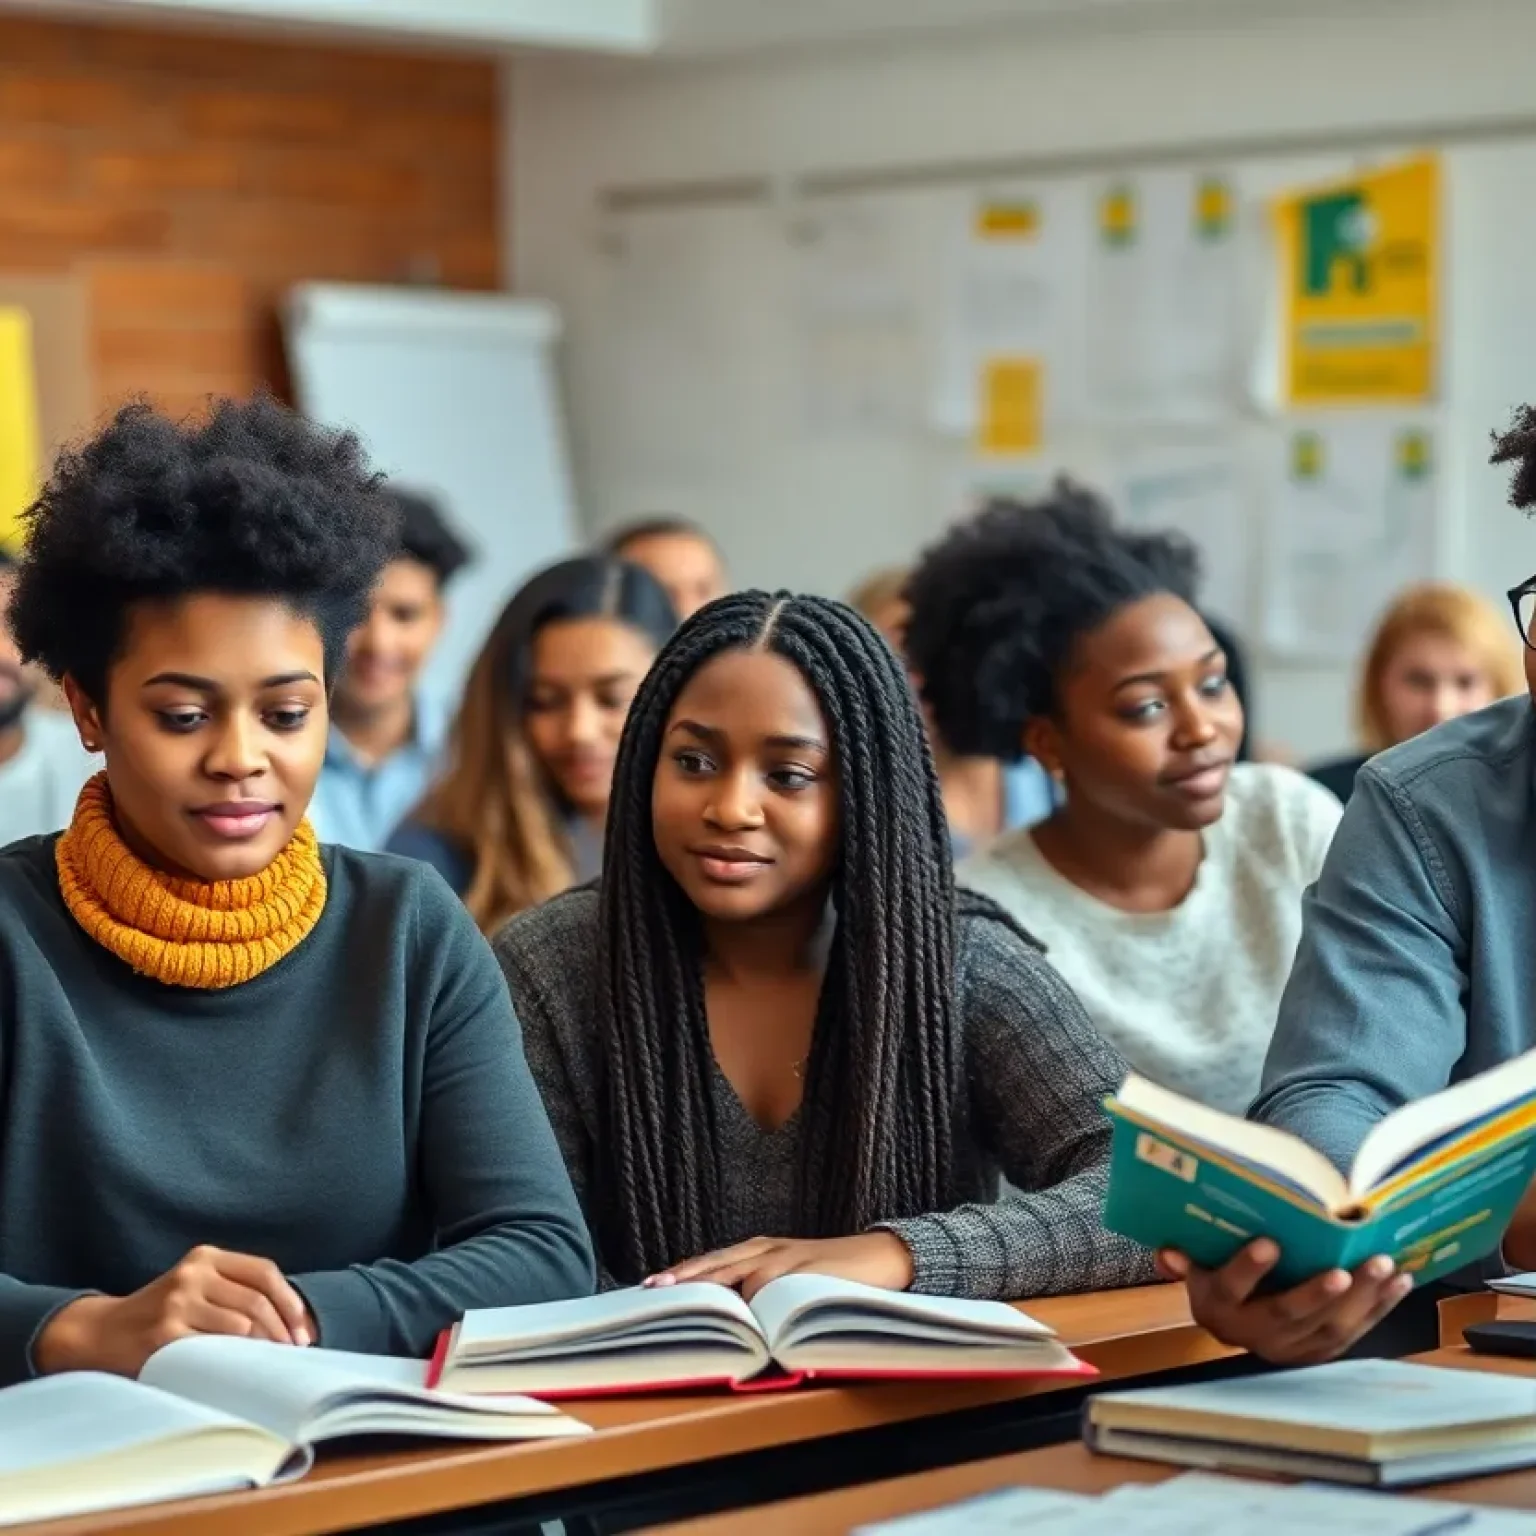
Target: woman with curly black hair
{"x":1416,"y":970}
{"x":1167,"y":886}
{"x":250,"y":1085}
{"x":775,"y":1040}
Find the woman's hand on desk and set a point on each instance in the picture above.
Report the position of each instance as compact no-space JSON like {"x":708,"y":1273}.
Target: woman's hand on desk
{"x":209,"y":1291}
{"x":1313,"y":1322}
{"x":874,"y":1258}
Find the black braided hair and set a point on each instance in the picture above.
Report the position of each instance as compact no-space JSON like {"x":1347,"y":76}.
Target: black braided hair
{"x":882,"y":1081}
{"x":1518,"y":447}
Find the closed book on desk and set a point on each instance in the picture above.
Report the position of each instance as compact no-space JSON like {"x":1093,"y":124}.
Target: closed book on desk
{"x":701,"y":1335}
{"x":209,"y":1414}
{"x":1433,"y":1185}
{"x":1383,"y":1423}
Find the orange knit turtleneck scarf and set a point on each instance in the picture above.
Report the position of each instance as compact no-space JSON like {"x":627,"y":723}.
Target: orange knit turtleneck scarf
{"x":186,"y":933}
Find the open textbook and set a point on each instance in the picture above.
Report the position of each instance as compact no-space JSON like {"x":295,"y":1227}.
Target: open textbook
{"x":699,"y":1335}
{"x":1433,"y":1185}
{"x":209,"y":1414}
{"x":1198,"y":1504}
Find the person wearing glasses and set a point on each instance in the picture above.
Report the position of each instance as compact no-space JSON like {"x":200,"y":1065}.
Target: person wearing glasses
{"x":1416,"y":969}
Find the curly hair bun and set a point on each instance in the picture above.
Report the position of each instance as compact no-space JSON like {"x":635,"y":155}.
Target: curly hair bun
{"x":1517,"y":446}
{"x":999,"y":602}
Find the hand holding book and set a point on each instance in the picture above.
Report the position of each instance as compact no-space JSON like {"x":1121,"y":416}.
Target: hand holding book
{"x":1294,"y":1258}
{"x":1311,"y":1323}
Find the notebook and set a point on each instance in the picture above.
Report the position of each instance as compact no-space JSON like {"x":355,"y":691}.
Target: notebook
{"x":1198,"y":1504}
{"x":209,"y":1414}
{"x":700,"y":1335}
{"x":1382,"y":1423}
{"x":1433,"y":1185}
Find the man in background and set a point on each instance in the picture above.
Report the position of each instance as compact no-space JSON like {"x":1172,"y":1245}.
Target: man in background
{"x":387,"y":737}
{"x":679,"y":554}
{"x":42,"y":764}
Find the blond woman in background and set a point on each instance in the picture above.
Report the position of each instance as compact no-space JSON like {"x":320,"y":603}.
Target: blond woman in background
{"x":1440,"y":651}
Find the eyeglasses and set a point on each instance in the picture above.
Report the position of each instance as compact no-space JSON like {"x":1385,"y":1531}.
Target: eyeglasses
{"x":1522,"y":600}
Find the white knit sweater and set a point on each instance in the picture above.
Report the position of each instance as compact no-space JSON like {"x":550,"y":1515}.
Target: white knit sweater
{"x":1189,"y":996}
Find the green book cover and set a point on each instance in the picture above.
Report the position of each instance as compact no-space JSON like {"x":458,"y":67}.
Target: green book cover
{"x":1168,"y":1190}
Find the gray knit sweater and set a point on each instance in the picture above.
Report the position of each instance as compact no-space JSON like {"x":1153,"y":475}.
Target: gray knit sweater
{"x":1035,"y":1076}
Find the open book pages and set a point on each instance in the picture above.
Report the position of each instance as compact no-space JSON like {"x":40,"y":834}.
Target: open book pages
{"x":1411,"y":1142}
{"x":1255,"y":1147}
{"x":81,"y":1442}
{"x":631,"y":1338}
{"x":814,"y":1322}
{"x":311,"y":1395}
{"x":702,"y":1334}
{"x":1199,"y":1504}
{"x":209,"y":1414}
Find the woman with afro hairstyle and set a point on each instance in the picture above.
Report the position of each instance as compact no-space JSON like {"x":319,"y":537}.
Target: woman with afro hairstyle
{"x":249,"y":1085}
{"x":775,"y":1040}
{"x":1416,"y":970}
{"x":1167,"y":886}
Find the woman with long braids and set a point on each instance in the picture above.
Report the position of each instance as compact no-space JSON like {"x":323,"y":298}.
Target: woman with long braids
{"x":775,"y":1039}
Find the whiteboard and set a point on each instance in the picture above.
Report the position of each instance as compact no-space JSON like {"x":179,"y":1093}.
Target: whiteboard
{"x":454,"y":394}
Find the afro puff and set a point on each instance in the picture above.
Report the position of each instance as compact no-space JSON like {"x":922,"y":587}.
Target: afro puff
{"x":999,"y":602}
{"x":1518,"y":447}
{"x":253,"y":501}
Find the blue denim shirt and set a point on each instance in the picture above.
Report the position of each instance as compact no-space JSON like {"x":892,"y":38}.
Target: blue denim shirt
{"x":1417,"y":963}
{"x":358,"y":805}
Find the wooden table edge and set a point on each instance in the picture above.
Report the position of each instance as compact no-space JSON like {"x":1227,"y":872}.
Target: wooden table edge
{"x":356,"y":1492}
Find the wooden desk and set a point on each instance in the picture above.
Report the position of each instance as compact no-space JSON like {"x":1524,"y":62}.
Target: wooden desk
{"x":1072,"y":1468}
{"x":1123,"y":1333}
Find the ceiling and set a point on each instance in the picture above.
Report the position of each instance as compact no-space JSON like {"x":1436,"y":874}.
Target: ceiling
{"x":668,"y":28}
{"x":726,"y":26}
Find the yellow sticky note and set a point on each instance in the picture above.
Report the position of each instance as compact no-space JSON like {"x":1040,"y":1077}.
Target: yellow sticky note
{"x":1118,"y":215}
{"x":18,"y":424}
{"x":1011,"y":405}
{"x":1016,"y":220}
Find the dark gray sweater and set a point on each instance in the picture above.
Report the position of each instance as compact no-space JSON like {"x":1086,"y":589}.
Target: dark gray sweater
{"x":361,"y":1114}
{"x":1036,"y":1074}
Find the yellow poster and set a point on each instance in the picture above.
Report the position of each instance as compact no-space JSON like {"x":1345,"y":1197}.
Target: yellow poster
{"x":18,"y":423}
{"x":1359,"y":262}
{"x":1011,"y":407}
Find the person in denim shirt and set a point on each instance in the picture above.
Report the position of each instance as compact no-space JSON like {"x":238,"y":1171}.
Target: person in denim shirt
{"x":387,"y":733}
{"x":1416,"y":970}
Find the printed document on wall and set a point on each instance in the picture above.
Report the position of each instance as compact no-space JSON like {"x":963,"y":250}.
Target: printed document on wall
{"x":1196,"y":489}
{"x":1351,"y":520}
{"x":1165,"y":334}
{"x":1003,"y":377}
{"x":857,"y":332}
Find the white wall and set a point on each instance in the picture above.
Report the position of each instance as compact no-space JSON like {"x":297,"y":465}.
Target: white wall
{"x":1208,"y":76}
